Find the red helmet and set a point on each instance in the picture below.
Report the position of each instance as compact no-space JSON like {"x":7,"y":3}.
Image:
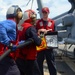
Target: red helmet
{"x":45,"y":9}
{"x":28,"y":15}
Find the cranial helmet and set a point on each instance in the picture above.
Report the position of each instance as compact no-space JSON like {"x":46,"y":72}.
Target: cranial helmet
{"x":29,"y":15}
{"x":13,"y":12}
{"x":45,"y":9}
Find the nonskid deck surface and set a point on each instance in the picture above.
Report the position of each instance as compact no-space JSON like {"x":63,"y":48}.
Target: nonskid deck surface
{"x":65,"y":65}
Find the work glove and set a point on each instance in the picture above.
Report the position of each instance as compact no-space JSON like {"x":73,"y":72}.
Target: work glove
{"x":21,"y":42}
{"x":12,"y":47}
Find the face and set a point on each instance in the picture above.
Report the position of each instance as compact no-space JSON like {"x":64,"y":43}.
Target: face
{"x":45,"y":14}
{"x":33,"y":19}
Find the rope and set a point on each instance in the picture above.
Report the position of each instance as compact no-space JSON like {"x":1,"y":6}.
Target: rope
{"x":28,"y":2}
{"x":32,"y":4}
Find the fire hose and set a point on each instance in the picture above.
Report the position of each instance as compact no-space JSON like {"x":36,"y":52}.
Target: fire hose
{"x":10,"y":50}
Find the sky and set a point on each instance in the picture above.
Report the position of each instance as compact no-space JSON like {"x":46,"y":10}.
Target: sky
{"x":56,"y":7}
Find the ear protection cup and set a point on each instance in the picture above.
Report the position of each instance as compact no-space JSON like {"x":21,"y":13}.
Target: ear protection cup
{"x":19,"y":15}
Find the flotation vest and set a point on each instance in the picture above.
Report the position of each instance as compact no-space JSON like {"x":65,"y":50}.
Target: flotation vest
{"x":40,"y":24}
{"x":29,"y":52}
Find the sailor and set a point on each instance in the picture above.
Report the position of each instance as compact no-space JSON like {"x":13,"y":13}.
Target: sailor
{"x":45,"y":25}
{"x":27,"y":55}
{"x":9,"y":40}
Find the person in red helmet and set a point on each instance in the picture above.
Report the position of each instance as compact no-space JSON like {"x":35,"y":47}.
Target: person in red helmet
{"x":45,"y":25}
{"x":27,"y":55}
{"x":9,"y":40}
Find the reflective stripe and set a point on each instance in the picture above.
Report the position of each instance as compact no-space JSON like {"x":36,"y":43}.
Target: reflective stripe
{"x":20,"y":28}
{"x":41,"y":23}
{"x":49,"y":24}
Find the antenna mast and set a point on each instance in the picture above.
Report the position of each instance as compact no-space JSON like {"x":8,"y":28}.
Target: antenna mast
{"x":40,"y":6}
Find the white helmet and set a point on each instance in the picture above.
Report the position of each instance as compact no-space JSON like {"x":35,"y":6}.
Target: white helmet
{"x":12,"y":11}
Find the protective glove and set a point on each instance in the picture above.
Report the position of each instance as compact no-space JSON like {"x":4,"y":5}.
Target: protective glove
{"x":12,"y":47}
{"x":21,"y":42}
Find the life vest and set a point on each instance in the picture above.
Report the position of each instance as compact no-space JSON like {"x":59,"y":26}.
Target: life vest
{"x":29,"y":52}
{"x":40,"y":25}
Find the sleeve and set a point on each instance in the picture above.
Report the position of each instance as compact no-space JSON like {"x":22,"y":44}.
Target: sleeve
{"x":37,"y":25}
{"x":33,"y":34}
{"x":3,"y":36}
